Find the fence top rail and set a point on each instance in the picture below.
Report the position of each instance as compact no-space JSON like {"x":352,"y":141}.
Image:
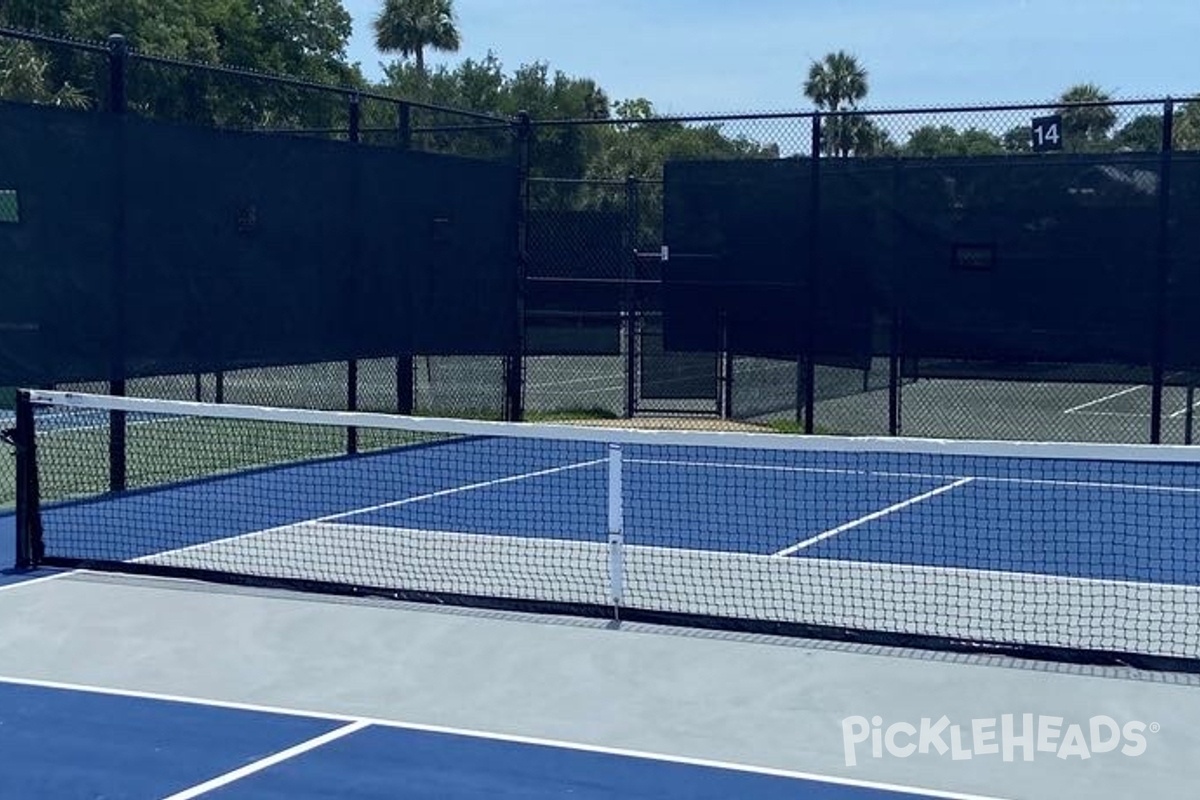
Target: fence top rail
{"x":870,"y":112}
{"x":45,"y":38}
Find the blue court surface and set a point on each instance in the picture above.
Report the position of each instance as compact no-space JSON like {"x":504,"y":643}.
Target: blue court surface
{"x":76,"y":742}
{"x":1077,"y":519}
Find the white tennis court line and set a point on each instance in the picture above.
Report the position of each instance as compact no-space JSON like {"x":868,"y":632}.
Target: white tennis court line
{"x":270,"y":761}
{"x":491,"y":736}
{"x":379,"y":507}
{"x":883,"y":512}
{"x":1138,"y":487}
{"x":34,"y":581}
{"x":1104,"y":399}
{"x":1184,"y":410}
{"x":1125,"y":414}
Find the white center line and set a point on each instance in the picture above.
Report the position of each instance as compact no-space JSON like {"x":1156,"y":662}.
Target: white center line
{"x":883,"y":512}
{"x":269,"y":761}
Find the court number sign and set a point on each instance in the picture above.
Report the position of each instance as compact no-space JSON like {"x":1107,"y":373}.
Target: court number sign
{"x":1047,"y":133}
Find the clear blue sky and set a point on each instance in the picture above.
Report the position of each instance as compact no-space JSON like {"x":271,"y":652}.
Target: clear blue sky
{"x":696,"y":56}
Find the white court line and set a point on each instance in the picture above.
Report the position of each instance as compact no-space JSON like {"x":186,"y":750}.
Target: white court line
{"x":34,"y":581}
{"x":491,"y":736}
{"x":1184,"y":410}
{"x":1104,"y":399}
{"x":379,"y":507}
{"x":1137,"y":487}
{"x":883,"y":512}
{"x":269,"y":761}
{"x":1126,"y":414}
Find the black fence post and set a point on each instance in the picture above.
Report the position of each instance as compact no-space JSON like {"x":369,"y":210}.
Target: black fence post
{"x":895,"y":385}
{"x":725,"y":370}
{"x":118,"y":103}
{"x":1163,"y":273}
{"x":808,"y":362}
{"x":28,"y":518}
{"x":1189,"y":416}
{"x":895,"y":324}
{"x":514,"y":364}
{"x":354,"y":135}
{"x":633,"y":222}
{"x":404,"y":361}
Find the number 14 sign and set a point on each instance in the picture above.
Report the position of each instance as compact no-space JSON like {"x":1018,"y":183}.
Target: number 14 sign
{"x":1047,"y":133}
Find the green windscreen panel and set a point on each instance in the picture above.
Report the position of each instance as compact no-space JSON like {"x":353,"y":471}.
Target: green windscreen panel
{"x":59,"y":168}
{"x":1182,"y":333}
{"x":856,"y":273}
{"x":1028,"y":259}
{"x":436,"y":252}
{"x":573,"y":295}
{"x":391,"y":234}
{"x":463,"y":254}
{"x":239,"y":249}
{"x":738,"y":267}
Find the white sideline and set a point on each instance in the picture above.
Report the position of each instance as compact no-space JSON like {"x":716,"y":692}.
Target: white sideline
{"x":276,"y":758}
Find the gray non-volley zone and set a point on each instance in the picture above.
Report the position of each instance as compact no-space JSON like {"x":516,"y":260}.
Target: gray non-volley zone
{"x":147,"y":248}
{"x":961,"y":267}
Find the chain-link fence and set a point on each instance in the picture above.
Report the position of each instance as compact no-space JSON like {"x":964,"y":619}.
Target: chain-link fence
{"x":595,"y":339}
{"x":895,"y":387}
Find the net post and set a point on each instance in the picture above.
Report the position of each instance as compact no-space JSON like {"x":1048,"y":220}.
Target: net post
{"x":118,"y":102}
{"x":616,"y":531}
{"x":1162,"y":274}
{"x":29,"y":545}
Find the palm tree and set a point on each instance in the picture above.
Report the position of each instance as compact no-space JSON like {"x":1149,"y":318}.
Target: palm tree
{"x":837,"y":83}
{"x":1086,"y":128}
{"x":408,"y":27}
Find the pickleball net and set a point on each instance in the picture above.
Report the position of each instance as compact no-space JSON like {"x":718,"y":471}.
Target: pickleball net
{"x":1083,"y":552}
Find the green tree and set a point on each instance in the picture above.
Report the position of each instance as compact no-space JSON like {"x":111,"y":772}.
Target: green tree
{"x":641,"y":144}
{"x":300,"y":38}
{"x":1017,"y":140}
{"x":1087,"y":128}
{"x":1141,"y":134}
{"x":24,"y":77}
{"x":945,"y":140}
{"x":408,"y":27}
{"x":837,"y":82}
{"x":483,"y":85}
{"x":1187,"y":127}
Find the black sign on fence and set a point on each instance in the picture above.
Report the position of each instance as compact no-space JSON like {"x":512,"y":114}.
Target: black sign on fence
{"x":1047,"y":133}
